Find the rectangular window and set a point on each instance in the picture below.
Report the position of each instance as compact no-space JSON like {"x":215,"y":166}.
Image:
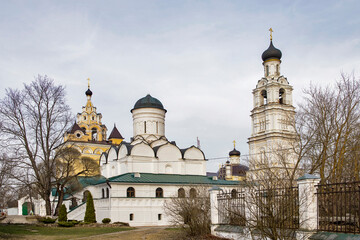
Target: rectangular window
{"x":159,"y":217}
{"x":131,"y":217}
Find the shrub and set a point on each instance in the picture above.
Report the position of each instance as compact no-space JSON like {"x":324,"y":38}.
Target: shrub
{"x":47,"y":220}
{"x":122,"y":223}
{"x":62,"y":214}
{"x":90,"y":210}
{"x":66,"y":224}
{"x":106,"y":220}
{"x":75,"y":222}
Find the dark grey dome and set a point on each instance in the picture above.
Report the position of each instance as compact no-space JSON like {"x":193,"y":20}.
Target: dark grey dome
{"x":271,"y":52}
{"x":88,"y":92}
{"x":234,"y":153}
{"x":148,"y":102}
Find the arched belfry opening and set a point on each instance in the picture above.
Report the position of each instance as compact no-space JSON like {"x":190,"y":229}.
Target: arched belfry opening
{"x":263,"y":97}
{"x":281,"y":96}
{"x":94,"y":134}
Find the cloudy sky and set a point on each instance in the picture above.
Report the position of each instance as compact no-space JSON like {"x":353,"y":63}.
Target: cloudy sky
{"x":201,"y":59}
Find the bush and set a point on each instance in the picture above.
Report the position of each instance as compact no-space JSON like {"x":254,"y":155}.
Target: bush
{"x":66,"y":224}
{"x":47,"y":220}
{"x":90,"y":210}
{"x":106,"y":220}
{"x":122,"y":223}
{"x":75,"y":222}
{"x":62,"y":214}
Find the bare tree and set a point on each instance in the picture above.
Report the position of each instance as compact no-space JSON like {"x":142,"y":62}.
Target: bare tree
{"x":328,"y":122}
{"x":69,"y":166}
{"x":192,"y":211}
{"x":6,"y":180}
{"x":33,"y":122}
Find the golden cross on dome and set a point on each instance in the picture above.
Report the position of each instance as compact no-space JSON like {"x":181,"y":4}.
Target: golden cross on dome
{"x":271,"y":31}
{"x":234,"y":143}
{"x":88,"y":83}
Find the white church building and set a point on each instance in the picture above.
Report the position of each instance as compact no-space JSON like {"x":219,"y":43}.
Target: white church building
{"x":139,"y":176}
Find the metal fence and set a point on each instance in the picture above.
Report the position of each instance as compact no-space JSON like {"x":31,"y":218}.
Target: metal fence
{"x":278,"y":208}
{"x":339,"y":207}
{"x":232,"y":207}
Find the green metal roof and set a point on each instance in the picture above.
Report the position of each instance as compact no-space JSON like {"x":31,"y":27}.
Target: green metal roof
{"x":168,"y":179}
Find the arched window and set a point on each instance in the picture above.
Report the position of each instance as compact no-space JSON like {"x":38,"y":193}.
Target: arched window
{"x":94,"y":134}
{"x":281,"y":96}
{"x":85,"y":195}
{"x":181,"y":193}
{"x":277,"y":69}
{"x":192,"y":193}
{"x":159,"y":193}
{"x":107,"y":193}
{"x":131,"y":216}
{"x":103,"y":193}
{"x":263,"y":97}
{"x":267,"y":70}
{"x":233,"y":193}
{"x":130,"y":192}
{"x":144,"y":126}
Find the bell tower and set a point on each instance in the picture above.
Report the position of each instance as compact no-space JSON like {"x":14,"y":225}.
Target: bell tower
{"x":272,"y":117}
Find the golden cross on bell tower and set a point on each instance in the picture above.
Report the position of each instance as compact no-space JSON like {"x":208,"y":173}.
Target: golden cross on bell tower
{"x":271,"y":31}
{"x":88,"y":83}
{"x":234,"y":143}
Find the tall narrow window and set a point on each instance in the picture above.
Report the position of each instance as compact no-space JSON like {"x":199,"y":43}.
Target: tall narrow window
{"x":263,"y":97}
{"x":192,"y":193}
{"x":159,"y":217}
{"x":131,"y":217}
{"x":281,"y":96}
{"x":277,"y":69}
{"x":130,"y":192}
{"x":103,"y":193}
{"x":159,"y":193}
{"x":145,"y":127}
{"x":267,"y":70}
{"x":107,"y":193}
{"x":157,"y":127}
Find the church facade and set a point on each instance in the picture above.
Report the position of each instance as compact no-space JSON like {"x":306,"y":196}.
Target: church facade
{"x":88,"y":135}
{"x":139,"y":176}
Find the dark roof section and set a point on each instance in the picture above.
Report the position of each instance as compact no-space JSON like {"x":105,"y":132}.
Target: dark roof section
{"x":75,"y":128}
{"x":271,"y":52}
{"x":234,"y":153}
{"x":239,"y":170}
{"x":148,"y":102}
{"x":88,"y":92}
{"x":168,"y":179}
{"x":115,"y":133}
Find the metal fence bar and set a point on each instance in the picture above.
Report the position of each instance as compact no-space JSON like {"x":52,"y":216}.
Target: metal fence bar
{"x":339,"y":207}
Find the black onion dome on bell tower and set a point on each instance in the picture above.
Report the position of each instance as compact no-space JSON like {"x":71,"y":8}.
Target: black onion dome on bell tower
{"x":88,"y":92}
{"x":271,"y":52}
{"x":148,"y":102}
{"x":234,"y":153}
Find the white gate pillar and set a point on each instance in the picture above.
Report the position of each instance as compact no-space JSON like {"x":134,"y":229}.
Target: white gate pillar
{"x":308,"y":210}
{"x":214,"y":207}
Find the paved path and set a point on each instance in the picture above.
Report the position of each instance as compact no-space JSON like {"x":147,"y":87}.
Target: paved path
{"x":18,"y":219}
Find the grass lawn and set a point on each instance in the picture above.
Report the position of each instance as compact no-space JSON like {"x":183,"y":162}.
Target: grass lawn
{"x":14,"y":231}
